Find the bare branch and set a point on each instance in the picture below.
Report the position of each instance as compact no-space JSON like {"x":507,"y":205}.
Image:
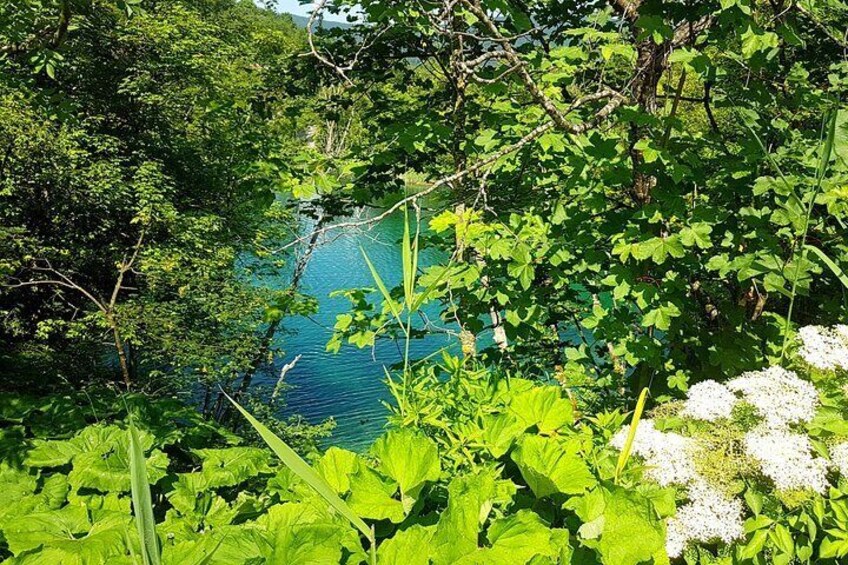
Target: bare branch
{"x":615,"y":100}
{"x":520,"y":66}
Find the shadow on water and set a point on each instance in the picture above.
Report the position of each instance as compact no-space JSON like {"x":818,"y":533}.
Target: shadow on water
{"x":349,"y":385}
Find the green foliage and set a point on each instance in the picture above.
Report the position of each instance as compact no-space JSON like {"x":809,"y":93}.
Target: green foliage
{"x":253,"y":508}
{"x":142,"y":141}
{"x":630,"y":196}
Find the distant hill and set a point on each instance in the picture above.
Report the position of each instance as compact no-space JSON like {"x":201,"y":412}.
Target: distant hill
{"x":301,"y":21}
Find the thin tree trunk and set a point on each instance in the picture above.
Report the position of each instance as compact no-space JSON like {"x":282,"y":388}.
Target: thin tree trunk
{"x":267,"y":340}
{"x":122,"y":354}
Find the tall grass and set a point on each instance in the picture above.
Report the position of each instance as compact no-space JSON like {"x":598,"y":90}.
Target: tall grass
{"x":404,"y":312}
{"x":142,"y":501}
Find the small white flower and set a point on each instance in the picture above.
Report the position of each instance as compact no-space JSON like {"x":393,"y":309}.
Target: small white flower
{"x":786,"y":458}
{"x":667,"y":455}
{"x":824,"y":348}
{"x":839,"y":457}
{"x":709,"y":516}
{"x":780,"y":396}
{"x":709,"y":400}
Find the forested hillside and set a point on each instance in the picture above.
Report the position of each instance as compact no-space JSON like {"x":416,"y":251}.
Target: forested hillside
{"x":637,"y":210}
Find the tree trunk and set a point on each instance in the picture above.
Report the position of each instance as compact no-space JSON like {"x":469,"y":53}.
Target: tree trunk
{"x":261,"y":355}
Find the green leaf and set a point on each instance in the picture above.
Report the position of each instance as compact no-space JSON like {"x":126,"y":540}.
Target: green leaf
{"x":840,"y":138}
{"x":409,"y":261}
{"x":232,"y":465}
{"x":372,"y":497}
{"x":658,"y":249}
{"x":409,"y":458}
{"x":631,"y":434}
{"x":69,"y":537}
{"x":661,"y":316}
{"x":302,"y":533}
{"x":843,"y":278}
{"x":336,"y":466}
{"x":518,"y":539}
{"x":697,"y":234}
{"x":550,"y":466}
{"x":142,"y":501}
{"x":407,"y":547}
{"x":104,"y":461}
{"x":469,"y":503}
{"x":221,"y":546}
{"x":382,"y":287}
{"x":499,"y":432}
{"x":754,"y":42}
{"x":542,"y":407}
{"x":631,"y":533}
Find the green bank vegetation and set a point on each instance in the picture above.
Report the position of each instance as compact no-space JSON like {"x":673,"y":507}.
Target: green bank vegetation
{"x":636,"y":202}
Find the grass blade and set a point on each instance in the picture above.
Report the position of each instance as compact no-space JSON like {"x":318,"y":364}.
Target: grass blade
{"x":840,"y":274}
{"x":827,"y":150}
{"x":631,"y":436}
{"x":382,"y":287}
{"x":302,"y":469}
{"x":142,"y":501}
{"x":408,"y":262}
{"x":421,"y":298}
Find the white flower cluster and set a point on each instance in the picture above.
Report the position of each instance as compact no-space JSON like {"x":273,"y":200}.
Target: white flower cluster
{"x":839,"y":457}
{"x":667,"y":454}
{"x":709,"y":516}
{"x":780,"y":396}
{"x":786,"y":458}
{"x":708,"y":400}
{"x":824,"y":348}
{"x":782,"y":452}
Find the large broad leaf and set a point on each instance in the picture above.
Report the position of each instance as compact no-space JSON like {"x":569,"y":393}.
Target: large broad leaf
{"x":407,"y":547}
{"x":515,"y":539}
{"x":221,"y":546}
{"x":68,"y":536}
{"x":550,"y":466}
{"x":336,"y":466}
{"x":187,"y":492}
{"x":232,"y":465}
{"x":469,"y":503}
{"x":99,"y":439}
{"x":110,"y":471}
{"x":15,"y":485}
{"x":543,"y":407}
{"x":100,"y":457}
{"x":302,"y":533}
{"x":409,"y":458}
{"x":500,"y":432}
{"x":631,"y":533}
{"x":372,"y":497}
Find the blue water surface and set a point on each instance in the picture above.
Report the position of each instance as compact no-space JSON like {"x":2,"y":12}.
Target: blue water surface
{"x":348,"y":386}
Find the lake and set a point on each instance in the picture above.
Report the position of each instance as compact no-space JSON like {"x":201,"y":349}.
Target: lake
{"x":348,"y":386}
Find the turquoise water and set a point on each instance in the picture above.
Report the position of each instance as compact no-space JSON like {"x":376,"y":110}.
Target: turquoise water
{"x":348,"y":386}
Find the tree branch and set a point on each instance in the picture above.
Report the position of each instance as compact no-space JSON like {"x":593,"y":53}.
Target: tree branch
{"x":615,"y":100}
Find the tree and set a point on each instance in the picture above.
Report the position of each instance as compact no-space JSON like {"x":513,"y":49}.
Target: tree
{"x":619,"y":205}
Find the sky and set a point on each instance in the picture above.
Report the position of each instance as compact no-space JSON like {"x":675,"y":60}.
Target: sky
{"x":298,"y":9}
{"x":294,"y":7}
